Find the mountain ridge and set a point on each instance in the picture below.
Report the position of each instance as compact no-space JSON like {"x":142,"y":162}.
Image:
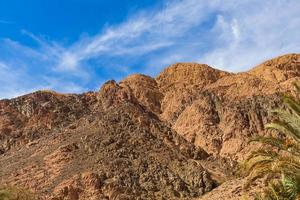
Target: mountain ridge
{"x":197,"y":115}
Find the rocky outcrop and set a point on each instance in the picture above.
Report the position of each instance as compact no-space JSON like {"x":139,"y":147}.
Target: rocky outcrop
{"x":29,"y":117}
{"x":145,"y":90}
{"x":280,"y":69}
{"x":180,"y":83}
{"x":219,"y":111}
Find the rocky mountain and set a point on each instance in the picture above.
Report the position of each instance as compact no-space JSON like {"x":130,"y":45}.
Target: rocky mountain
{"x":177,"y":136}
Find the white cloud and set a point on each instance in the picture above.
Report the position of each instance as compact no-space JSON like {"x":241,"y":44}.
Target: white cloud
{"x":68,"y":61}
{"x":259,"y":30}
{"x":241,"y":29}
{"x":9,"y":86}
{"x":17,"y":82}
{"x":142,"y":33}
{"x":244,"y":34}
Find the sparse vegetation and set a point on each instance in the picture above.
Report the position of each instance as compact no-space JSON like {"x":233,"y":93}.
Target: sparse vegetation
{"x":14,"y":193}
{"x":280,"y":160}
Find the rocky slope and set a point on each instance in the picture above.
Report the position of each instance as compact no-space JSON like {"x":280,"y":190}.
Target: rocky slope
{"x":176,"y":136}
{"x":113,"y":149}
{"x":220,"y":114}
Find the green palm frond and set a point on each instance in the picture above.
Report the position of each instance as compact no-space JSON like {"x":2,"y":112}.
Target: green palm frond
{"x":291,"y":186}
{"x":280,"y":155}
{"x":263,"y":162}
{"x":286,"y":188}
{"x":261,"y":153}
{"x":286,"y":128}
{"x":282,"y":144}
{"x":259,"y":197}
{"x":297,"y":87}
{"x":289,"y":117}
{"x":292,"y":104}
{"x":287,"y":145}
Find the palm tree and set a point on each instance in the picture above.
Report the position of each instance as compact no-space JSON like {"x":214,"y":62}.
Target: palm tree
{"x":280,"y":160}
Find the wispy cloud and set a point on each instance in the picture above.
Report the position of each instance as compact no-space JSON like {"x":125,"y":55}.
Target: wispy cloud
{"x":18,"y":81}
{"x":228,"y":34}
{"x":142,"y":33}
{"x":252,"y":31}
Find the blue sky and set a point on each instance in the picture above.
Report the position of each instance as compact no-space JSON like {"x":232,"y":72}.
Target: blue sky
{"x":74,"y":46}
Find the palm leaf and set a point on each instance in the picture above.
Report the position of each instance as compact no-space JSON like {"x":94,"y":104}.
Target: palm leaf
{"x":285,"y":128}
{"x":292,"y":104}
{"x":282,"y":144}
{"x":280,"y":155}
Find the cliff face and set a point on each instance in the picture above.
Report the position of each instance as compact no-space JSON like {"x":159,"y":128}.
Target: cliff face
{"x":176,"y":136}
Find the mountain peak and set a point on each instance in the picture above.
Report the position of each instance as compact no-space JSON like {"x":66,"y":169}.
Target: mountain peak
{"x":279,"y":69}
{"x":188,"y":74}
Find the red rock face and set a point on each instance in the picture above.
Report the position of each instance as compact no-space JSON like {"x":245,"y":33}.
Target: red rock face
{"x":105,"y":145}
{"x":180,"y":83}
{"x":176,"y":136}
{"x":27,"y":118}
{"x":145,"y":90}
{"x":219,"y":111}
{"x":280,"y":69}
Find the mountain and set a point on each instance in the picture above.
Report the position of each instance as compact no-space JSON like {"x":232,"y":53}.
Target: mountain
{"x":177,"y":136}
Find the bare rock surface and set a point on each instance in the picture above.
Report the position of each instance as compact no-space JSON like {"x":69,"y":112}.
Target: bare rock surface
{"x":177,"y":136}
{"x":119,"y":150}
{"x":180,"y":83}
{"x":220,"y":111}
